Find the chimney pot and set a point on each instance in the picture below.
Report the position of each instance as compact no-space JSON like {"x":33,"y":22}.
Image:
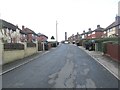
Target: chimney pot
{"x":89,"y":29}
{"x":23,"y":27}
{"x":98,"y":26}
{"x":17,"y":26}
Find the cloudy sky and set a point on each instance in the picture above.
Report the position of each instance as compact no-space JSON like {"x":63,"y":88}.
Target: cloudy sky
{"x":72,"y":15}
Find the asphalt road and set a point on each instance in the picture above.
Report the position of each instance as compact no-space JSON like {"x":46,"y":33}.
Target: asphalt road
{"x":67,"y":66}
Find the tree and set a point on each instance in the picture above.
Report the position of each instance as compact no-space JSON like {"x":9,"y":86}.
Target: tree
{"x":52,"y":37}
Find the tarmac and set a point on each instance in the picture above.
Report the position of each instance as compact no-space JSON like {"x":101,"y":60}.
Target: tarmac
{"x":111,"y":65}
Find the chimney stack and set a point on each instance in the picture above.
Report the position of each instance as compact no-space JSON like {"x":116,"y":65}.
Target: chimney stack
{"x":23,"y":27}
{"x":16,"y":26}
{"x":89,"y":29}
{"x":98,"y":26}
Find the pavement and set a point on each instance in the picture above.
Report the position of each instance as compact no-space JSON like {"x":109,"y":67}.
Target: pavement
{"x":67,"y":66}
{"x":111,"y":65}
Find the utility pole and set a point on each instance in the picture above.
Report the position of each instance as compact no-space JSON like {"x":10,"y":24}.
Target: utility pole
{"x":56,"y":33}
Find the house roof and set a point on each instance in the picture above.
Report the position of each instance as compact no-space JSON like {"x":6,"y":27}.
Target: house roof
{"x":111,"y":26}
{"x":8,"y":25}
{"x":39,"y":34}
{"x":23,"y":32}
{"x":28,"y":31}
{"x":99,"y":30}
{"x":115,"y":23}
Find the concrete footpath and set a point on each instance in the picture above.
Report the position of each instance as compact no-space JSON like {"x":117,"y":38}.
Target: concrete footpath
{"x":111,"y":65}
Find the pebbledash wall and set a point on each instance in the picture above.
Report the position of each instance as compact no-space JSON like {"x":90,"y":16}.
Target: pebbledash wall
{"x":9,"y":56}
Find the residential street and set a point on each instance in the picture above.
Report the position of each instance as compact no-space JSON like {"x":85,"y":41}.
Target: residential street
{"x":67,"y":66}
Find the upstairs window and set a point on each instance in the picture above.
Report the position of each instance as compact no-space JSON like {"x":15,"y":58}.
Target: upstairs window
{"x":119,"y":26}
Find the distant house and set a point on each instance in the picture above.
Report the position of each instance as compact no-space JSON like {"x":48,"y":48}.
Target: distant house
{"x":89,"y":34}
{"x":9,"y":33}
{"x":72,"y":38}
{"x":31,"y":36}
{"x":97,"y":33}
{"x":83,"y":35}
{"x":86,"y":35}
{"x":77,"y":37}
{"x":41,"y":37}
{"x":113,"y":30}
{"x":23,"y":36}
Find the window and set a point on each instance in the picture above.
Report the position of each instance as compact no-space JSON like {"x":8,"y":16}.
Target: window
{"x":119,"y":26}
{"x":104,"y":32}
{"x":93,"y":32}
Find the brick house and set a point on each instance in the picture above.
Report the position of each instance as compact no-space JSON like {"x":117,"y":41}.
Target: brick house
{"x":31,"y":36}
{"x":72,"y":38}
{"x":113,"y":30}
{"x":23,"y":36}
{"x":98,"y":32}
{"x":83,"y":35}
{"x":77,"y":37}
{"x":89,"y":34}
{"x":86,"y":35}
{"x":41,"y":37}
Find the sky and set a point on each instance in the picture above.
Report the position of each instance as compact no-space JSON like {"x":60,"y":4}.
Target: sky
{"x":72,"y":15}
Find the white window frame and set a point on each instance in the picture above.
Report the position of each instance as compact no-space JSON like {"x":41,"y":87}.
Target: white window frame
{"x":93,"y":32}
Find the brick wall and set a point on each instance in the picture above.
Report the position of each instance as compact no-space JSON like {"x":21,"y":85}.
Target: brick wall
{"x":98,"y":34}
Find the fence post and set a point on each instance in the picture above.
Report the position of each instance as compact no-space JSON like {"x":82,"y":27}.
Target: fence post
{"x":43,"y":46}
{"x":36,"y":46}
{"x":96,"y":46}
{"x":25,"y":47}
{"x":1,"y":52}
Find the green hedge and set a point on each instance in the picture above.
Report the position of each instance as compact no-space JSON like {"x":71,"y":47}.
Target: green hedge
{"x":102,"y":42}
{"x":13,"y":46}
{"x":30,"y":44}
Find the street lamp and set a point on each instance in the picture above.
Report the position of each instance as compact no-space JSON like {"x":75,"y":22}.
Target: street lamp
{"x":56,"y":33}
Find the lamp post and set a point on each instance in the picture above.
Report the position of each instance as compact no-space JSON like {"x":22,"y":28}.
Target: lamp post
{"x":56,"y":33}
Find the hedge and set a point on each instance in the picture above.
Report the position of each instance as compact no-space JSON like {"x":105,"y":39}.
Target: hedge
{"x":13,"y":46}
{"x":101,"y":47}
{"x":30,"y":44}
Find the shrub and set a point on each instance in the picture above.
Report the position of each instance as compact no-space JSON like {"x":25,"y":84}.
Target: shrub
{"x":13,"y":46}
{"x":30,"y":44}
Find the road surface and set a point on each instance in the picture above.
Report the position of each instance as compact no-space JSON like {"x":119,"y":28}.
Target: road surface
{"x":67,"y":66}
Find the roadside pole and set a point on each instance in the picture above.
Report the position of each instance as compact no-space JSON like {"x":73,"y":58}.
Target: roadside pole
{"x":56,"y":34}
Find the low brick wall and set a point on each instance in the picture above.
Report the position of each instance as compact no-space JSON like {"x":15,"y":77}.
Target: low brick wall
{"x":113,"y":50}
